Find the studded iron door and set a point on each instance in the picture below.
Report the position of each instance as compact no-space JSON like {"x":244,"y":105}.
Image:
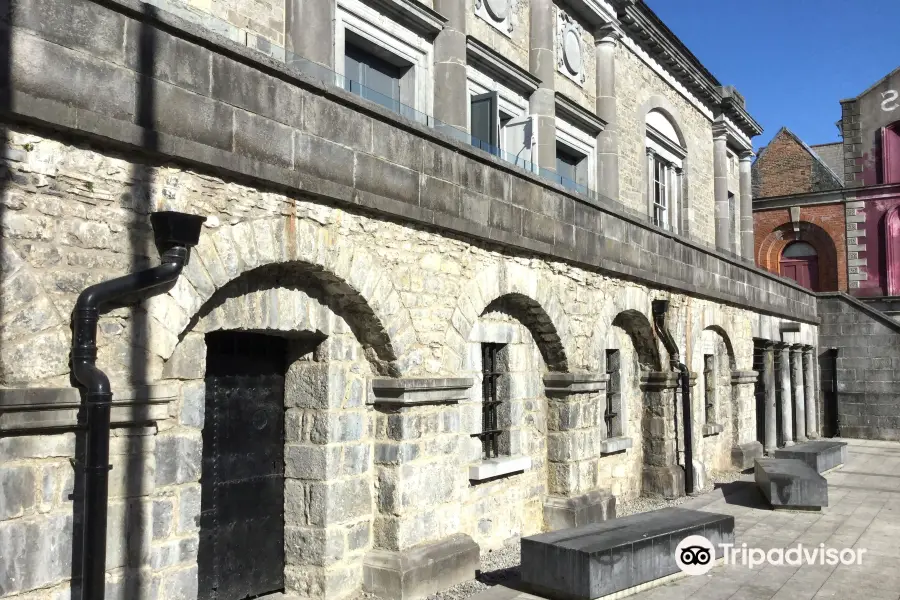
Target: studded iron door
{"x":241,"y":552}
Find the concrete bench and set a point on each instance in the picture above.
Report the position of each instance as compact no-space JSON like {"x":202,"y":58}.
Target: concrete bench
{"x":603,"y":558}
{"x":791,"y":483}
{"x":821,"y":455}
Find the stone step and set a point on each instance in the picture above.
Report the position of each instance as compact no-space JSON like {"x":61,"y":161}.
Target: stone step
{"x":604,"y":558}
{"x":821,"y":455}
{"x":791,"y":483}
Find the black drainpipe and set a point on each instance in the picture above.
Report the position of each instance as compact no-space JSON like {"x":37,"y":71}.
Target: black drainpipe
{"x":175,"y":234}
{"x":834,"y":412}
{"x":660,"y":309}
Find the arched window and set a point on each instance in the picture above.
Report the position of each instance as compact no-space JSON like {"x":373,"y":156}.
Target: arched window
{"x":665,"y":165}
{"x":890,"y":153}
{"x":800,"y":262}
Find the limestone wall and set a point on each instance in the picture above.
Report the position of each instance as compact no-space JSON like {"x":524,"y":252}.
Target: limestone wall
{"x":382,"y":299}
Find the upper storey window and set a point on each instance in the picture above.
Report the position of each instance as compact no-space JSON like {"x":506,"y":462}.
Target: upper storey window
{"x":890,"y":159}
{"x":665,"y":165}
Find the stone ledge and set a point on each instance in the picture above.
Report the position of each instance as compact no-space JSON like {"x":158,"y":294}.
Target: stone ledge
{"x":562,"y":384}
{"x":659,"y":380}
{"x":23,"y":409}
{"x":425,"y":390}
{"x":616,"y":444}
{"x":421,"y":570}
{"x":743,"y":456}
{"x":497,"y":467}
{"x":712,"y":429}
{"x":742,"y":377}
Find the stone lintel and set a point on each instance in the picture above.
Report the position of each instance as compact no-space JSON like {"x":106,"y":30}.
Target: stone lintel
{"x":421,"y":570}
{"x":563,"y":384}
{"x":23,"y":409}
{"x":742,"y":377}
{"x":497,"y":467}
{"x":659,"y":380}
{"x":414,"y":15}
{"x":565,"y":513}
{"x":616,"y":444}
{"x":422,"y":390}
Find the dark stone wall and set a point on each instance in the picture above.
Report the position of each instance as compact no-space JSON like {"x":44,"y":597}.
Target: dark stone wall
{"x":866,"y":403}
{"x":215,"y":105}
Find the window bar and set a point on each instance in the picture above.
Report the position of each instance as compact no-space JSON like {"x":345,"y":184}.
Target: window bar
{"x":490,"y":430}
{"x":612,"y":388}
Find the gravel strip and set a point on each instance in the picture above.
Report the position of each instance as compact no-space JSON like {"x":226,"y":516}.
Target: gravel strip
{"x":503,"y":564}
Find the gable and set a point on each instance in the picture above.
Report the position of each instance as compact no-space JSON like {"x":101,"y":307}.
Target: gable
{"x":787,"y":166}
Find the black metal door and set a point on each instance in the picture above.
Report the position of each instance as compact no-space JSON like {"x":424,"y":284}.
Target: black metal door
{"x":241,"y":550}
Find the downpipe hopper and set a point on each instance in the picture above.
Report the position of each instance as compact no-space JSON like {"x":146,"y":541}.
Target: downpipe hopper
{"x":175,"y":234}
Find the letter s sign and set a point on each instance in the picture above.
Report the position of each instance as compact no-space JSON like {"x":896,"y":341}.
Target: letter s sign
{"x":889,"y":101}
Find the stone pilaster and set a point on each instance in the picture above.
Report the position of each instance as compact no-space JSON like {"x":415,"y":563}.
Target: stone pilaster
{"x":417,"y":548}
{"x":809,"y":385}
{"x":799,"y":399}
{"x":720,"y":178}
{"x":745,"y":449}
{"x":450,"y":88}
{"x":542,"y":103}
{"x":575,"y":428}
{"x":662,"y":474}
{"x":787,"y":428}
{"x":748,"y":248}
{"x":608,"y":140}
{"x":304,"y":51}
{"x":771,"y":435}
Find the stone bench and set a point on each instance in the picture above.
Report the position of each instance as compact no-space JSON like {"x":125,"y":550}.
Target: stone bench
{"x":821,"y":455}
{"x":603,"y":558}
{"x":791,"y":483}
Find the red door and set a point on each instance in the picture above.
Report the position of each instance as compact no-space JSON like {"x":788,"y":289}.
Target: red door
{"x":804,"y":271}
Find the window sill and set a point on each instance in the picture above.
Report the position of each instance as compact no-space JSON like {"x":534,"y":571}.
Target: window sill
{"x":712,"y":429}
{"x":497,"y":467}
{"x":616,"y":444}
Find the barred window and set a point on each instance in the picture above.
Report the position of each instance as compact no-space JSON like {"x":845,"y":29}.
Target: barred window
{"x":613,"y":413}
{"x":709,"y":384}
{"x":492,"y":368}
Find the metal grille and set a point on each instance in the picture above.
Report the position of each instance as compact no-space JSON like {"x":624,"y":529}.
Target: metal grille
{"x":759,"y":391}
{"x":491,"y":370}
{"x":709,"y":386}
{"x":611,"y":414}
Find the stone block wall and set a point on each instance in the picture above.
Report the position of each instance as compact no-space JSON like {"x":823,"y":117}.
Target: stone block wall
{"x":864,"y":405}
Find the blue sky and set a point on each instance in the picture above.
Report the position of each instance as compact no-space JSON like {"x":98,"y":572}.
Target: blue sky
{"x":793,"y":60}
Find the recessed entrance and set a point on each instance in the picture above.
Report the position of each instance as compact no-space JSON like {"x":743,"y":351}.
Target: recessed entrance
{"x":800,"y":262}
{"x":241,"y":553}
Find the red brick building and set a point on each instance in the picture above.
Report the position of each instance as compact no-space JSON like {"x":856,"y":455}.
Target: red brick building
{"x":829,"y":215}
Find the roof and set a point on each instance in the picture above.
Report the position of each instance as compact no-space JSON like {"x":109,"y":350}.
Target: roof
{"x":832,"y":155}
{"x":873,"y":86}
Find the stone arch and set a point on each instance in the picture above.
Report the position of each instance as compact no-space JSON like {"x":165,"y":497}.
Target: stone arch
{"x":523,"y":294}
{"x":640,"y":331}
{"x":726,"y":339}
{"x":772,"y":246}
{"x":346,"y":273}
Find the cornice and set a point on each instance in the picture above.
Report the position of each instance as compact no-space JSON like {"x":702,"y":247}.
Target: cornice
{"x":593,"y":12}
{"x":568,"y":110}
{"x":413,"y":14}
{"x":500,"y":68}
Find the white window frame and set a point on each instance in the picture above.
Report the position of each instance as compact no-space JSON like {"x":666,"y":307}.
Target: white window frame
{"x":581,"y":142}
{"x":509,"y":102}
{"x":369,"y":24}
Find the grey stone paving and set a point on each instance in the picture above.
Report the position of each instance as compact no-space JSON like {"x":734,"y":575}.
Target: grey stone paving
{"x":864,"y":513}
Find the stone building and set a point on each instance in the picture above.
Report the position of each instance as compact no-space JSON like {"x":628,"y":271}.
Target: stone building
{"x":458,"y":260}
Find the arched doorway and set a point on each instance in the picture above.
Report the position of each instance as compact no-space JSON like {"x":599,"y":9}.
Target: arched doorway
{"x":800,"y":262}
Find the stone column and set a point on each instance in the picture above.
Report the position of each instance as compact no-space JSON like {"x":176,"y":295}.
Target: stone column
{"x":300,"y":18}
{"x":810,"y":387}
{"x":607,"y":39}
{"x":450,"y":87}
{"x":720,"y":178}
{"x":748,"y":249}
{"x":745,"y":449}
{"x":786,"y":417}
{"x":799,"y":399}
{"x":662,"y":474}
{"x":542,"y":103}
{"x":575,"y":426}
{"x":769,"y":383}
{"x":419,"y":487}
